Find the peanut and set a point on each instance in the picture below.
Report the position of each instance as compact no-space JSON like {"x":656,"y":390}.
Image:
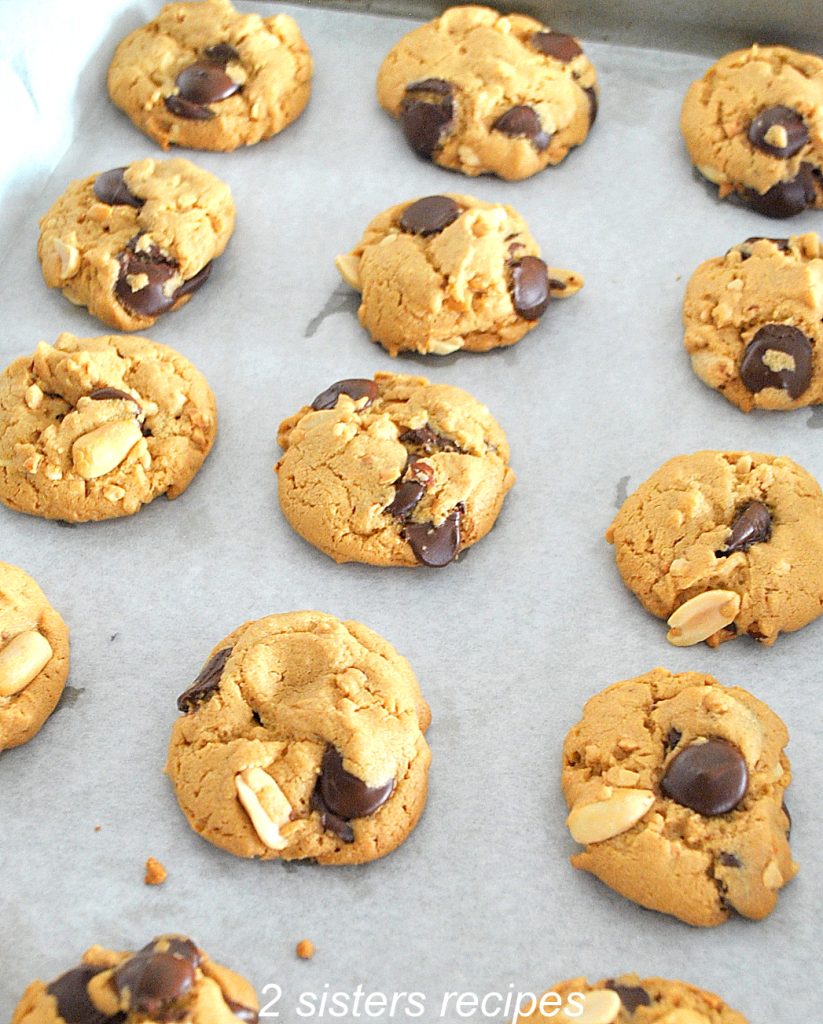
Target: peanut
{"x":702,"y":616}
{"x":266,"y":805}
{"x":604,"y":819}
{"x":348,"y":267}
{"x":599,"y":1007}
{"x":103,"y":449}
{"x":23,"y":659}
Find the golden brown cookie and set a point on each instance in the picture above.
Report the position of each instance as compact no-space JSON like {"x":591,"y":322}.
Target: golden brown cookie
{"x":675,"y":787}
{"x":205,"y":76}
{"x":750,"y":125}
{"x":722,"y":544}
{"x":394,"y":471}
{"x":135,"y":242}
{"x":169,"y":979}
{"x":451,"y":272}
{"x":480,"y":92}
{"x":34,"y":657}
{"x":94,"y":428}
{"x":753,"y":323}
{"x":627,"y":999}
{"x":302,"y":738}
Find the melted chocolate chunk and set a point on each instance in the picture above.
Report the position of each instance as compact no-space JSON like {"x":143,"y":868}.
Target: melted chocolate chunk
{"x":156,"y":978}
{"x":530,"y":287}
{"x":205,"y":82}
{"x":555,"y":44}
{"x":429,"y":440}
{"x":673,"y":737}
{"x":789,"y":819}
{"x":591,"y":92}
{"x":710,"y":778}
{"x":206,"y":684}
{"x":182,"y":107}
{"x":245,"y":1013}
{"x":429,"y":216}
{"x":786,"y":198}
{"x":150,"y":272}
{"x":522,"y":122}
{"x":407,"y":495}
{"x":752,"y":525}
{"x":729,"y":860}
{"x":71,"y":992}
{"x":768,"y":344}
{"x":781,"y":243}
{"x":341,"y":796}
{"x":110,"y":187}
{"x":355,"y":387}
{"x":108,"y":394}
{"x":631,"y":996}
{"x":194,"y":283}
{"x":436,"y":546}
{"x":792,"y":125}
{"x":426,"y":114}
{"x":222,"y":53}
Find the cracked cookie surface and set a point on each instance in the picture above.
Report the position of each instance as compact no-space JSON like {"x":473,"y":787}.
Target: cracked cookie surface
{"x":302,"y":738}
{"x":94,"y":428}
{"x":137,"y":241}
{"x":34,"y":657}
{"x":751,"y":126}
{"x":479,"y":92}
{"x":630,"y":999}
{"x":169,"y":979}
{"x":753,"y":323}
{"x":740,"y":534}
{"x":675,"y":786}
{"x":205,"y":76}
{"x":451,"y":272}
{"x":394,"y":471}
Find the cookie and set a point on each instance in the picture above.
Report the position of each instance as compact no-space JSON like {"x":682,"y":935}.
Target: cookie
{"x":628,"y":999}
{"x":447,"y":272}
{"x":169,"y":979}
{"x":724,"y":543}
{"x":302,"y":738}
{"x":750,"y":128}
{"x":675,"y":788}
{"x":135,"y":242}
{"x":93,"y":428}
{"x":394,"y":471}
{"x":205,"y":76}
{"x":479,"y":92}
{"x":753,"y":323}
{"x":34,"y":657}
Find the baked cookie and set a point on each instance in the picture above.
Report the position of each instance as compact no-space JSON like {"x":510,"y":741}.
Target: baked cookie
{"x":753,"y":323}
{"x":724,"y":543}
{"x":169,"y":979}
{"x":394,"y":471}
{"x":136,"y":241}
{"x":751,"y":128}
{"x":34,"y":657}
{"x":628,"y":999}
{"x":447,"y":272}
{"x":675,"y":786}
{"x":302,"y":738}
{"x":205,"y":76}
{"x":93,"y":428}
{"x":480,"y":92}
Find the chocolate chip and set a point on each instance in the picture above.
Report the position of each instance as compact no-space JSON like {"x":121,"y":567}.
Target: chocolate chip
{"x":111,"y":394}
{"x":341,"y":796}
{"x":182,"y":107}
{"x":355,"y":387}
{"x":153,"y":980}
{"x":245,"y":1013}
{"x":432,"y":545}
{"x":206,"y":684}
{"x":522,"y":122}
{"x":752,"y":525}
{"x":673,"y":737}
{"x":222,"y":53}
{"x":797,"y":134}
{"x":429,"y":216}
{"x":786,"y":198}
{"x":631,"y":996}
{"x":778,"y":339}
{"x":710,"y":778}
{"x":555,"y":44}
{"x":781,"y":243}
{"x":729,"y":860}
{"x":150,"y":299}
{"x":530,"y":287}
{"x":73,"y":1003}
{"x":205,"y":82}
{"x":110,"y":187}
{"x":178,"y":945}
{"x":425,"y":120}
{"x":429,"y":440}
{"x":406,"y":496}
{"x":194,"y":283}
{"x":591,"y":92}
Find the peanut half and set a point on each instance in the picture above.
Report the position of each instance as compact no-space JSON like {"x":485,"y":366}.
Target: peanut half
{"x":599,"y":1007}
{"x":103,"y":449}
{"x":604,"y":819}
{"x":266,"y":805}
{"x":348,"y":267}
{"x":700,"y":617}
{"x":23,"y":659}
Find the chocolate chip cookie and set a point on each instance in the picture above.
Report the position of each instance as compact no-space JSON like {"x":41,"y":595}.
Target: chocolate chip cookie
{"x":723,"y":544}
{"x":170,"y":979}
{"x":302,"y":738}
{"x":393,"y":471}
{"x":627,"y":999}
{"x":480,"y":92}
{"x":675,"y":786}
{"x":753,"y":323}
{"x":204,"y":76}
{"x":451,"y":272}
{"x":94,"y":428}
{"x":34,"y":657}
{"x":137,"y":241}
{"x":750,"y":128}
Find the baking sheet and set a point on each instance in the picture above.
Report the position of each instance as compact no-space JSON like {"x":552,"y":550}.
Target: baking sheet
{"x":507,"y":645}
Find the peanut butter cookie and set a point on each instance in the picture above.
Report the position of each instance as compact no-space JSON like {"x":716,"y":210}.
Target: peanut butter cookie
{"x":302,"y":738}
{"x":480,"y":92}
{"x":94,"y":428}
{"x":675,"y":786}
{"x":393,"y":471}
{"x":448,"y":272}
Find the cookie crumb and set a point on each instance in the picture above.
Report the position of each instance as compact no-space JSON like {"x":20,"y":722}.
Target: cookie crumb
{"x":305,"y":949}
{"x":98,"y":828}
{"x":156,"y":874}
